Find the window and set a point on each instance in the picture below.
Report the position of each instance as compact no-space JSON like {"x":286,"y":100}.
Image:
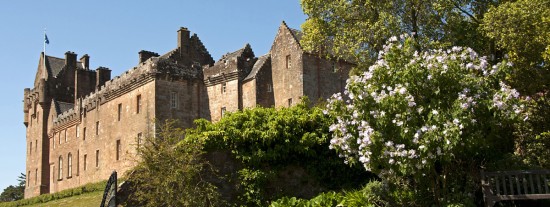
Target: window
{"x":119,"y":111}
{"x":65,"y":135}
{"x":69,"y":165}
{"x":118,"y":149}
{"x":288,"y":62}
{"x":173,"y":100}
{"x":138,"y":104}
{"x":60,"y":169}
{"x":84,"y":133}
{"x":77,"y":130}
{"x":269,"y":88}
{"x":77,"y":162}
{"x":59,"y":138}
{"x":84,"y":113}
{"x":97,"y":128}
{"x":35,"y":145}
{"x":30,"y":148}
{"x":289,"y":102}
{"x":224,"y":87}
{"x":35,"y":175}
{"x":85,"y":162}
{"x":222,"y":111}
{"x":139,"y":139}
{"x":97,"y":158}
{"x":334,"y":68}
{"x":28,"y":179}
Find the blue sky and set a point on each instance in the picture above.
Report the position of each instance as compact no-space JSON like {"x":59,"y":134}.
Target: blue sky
{"x":112,"y":33}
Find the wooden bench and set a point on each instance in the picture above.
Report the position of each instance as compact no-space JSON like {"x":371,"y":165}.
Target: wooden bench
{"x":515,"y":185}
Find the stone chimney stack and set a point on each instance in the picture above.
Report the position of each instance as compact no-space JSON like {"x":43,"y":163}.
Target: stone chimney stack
{"x":85,"y":59}
{"x":103,"y":74}
{"x":70,"y":59}
{"x":183,"y":40}
{"x":144,"y":55}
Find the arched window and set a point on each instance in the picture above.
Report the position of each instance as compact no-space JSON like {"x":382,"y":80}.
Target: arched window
{"x":60,"y":170}
{"x":69,"y":165}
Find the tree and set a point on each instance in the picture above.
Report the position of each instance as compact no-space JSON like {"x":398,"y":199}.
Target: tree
{"x":522,"y":29}
{"x":425,"y":121}
{"x":170,"y":172}
{"x":13,"y":193}
{"x":357,"y":29}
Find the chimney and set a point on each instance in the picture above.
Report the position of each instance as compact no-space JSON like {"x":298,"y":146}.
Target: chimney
{"x":144,"y":55}
{"x":85,"y":59}
{"x":183,"y":40}
{"x":103,"y":74}
{"x":70,"y":59}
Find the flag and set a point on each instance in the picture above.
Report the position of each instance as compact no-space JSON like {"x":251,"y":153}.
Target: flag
{"x":46,"y":39}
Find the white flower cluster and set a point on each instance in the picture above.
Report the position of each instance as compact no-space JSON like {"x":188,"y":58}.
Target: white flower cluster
{"x":410,"y":114}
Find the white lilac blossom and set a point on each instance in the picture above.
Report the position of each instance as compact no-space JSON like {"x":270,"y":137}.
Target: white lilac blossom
{"x":394,"y":117}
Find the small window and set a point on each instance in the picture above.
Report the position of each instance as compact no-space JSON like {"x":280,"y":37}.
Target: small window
{"x":77,"y":162}
{"x":35,"y":175}
{"x":222,"y":111}
{"x":69,"y":165}
{"x":35,"y":145}
{"x":288,"y":62}
{"x":289,"y":102}
{"x":97,"y":158}
{"x":59,"y":138}
{"x":97,"y":128}
{"x":84,"y":113}
{"x":224,"y":87}
{"x":138,"y":104}
{"x":60,"y":169}
{"x":139,"y":140}
{"x":85,"y":162}
{"x":28,"y":179}
{"x":30,"y":148}
{"x":65,"y":134}
{"x":118,"y":149}
{"x":77,"y":130}
{"x":269,"y":88}
{"x":173,"y":100}
{"x":84,"y":133}
{"x":119,"y":111}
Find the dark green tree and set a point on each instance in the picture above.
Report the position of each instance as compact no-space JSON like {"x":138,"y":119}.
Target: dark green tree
{"x":13,"y":193}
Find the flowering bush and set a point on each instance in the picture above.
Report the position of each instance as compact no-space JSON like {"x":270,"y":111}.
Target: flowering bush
{"x":417,"y":114}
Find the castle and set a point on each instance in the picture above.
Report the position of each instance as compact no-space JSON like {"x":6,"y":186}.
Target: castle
{"x":81,"y":124}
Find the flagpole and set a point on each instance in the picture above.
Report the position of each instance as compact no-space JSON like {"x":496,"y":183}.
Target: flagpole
{"x":45,"y":69}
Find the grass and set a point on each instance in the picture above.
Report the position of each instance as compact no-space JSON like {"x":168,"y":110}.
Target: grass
{"x":92,"y":199}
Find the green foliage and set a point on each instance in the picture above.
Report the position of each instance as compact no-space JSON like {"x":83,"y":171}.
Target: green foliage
{"x":357,"y":29}
{"x":374,"y":194}
{"x":522,"y":29}
{"x":91,"y":187}
{"x":13,"y":193}
{"x":170,"y":172}
{"x":266,"y":141}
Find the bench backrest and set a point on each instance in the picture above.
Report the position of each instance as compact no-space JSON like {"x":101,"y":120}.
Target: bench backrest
{"x":522,"y":182}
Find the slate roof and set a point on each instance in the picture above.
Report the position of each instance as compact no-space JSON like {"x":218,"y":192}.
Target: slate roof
{"x":262,"y":60}
{"x":61,"y":107}
{"x":55,"y":65}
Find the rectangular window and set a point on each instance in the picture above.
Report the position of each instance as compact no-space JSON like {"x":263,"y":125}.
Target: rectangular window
{"x":97,"y":128}
{"x":35,"y":175}
{"x":59,"y":138}
{"x":288,"y":62}
{"x":77,"y":130}
{"x":118,"y":149}
{"x":97,"y":158}
{"x":289,"y":102}
{"x":85,"y":162}
{"x":269,"y":88}
{"x":119,"y":111}
{"x":65,"y":134}
{"x":173,"y":100}
{"x":28,"y":179}
{"x":138,"y":104}
{"x":84,"y":133}
{"x":139,"y":140}
{"x":224,"y":87}
{"x":77,"y":162}
{"x":30,"y":148}
{"x":35,"y":145}
{"x":69,"y":165}
{"x":60,"y":169}
{"x":222,"y":111}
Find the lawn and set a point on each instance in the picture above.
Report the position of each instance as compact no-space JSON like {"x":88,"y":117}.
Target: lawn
{"x":92,"y":199}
